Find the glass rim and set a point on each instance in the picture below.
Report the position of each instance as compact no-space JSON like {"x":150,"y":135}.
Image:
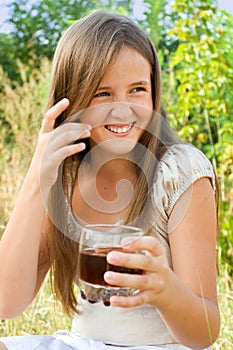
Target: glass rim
{"x":134,"y":229}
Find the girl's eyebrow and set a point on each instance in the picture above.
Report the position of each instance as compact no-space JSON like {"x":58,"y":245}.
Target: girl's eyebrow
{"x":141,"y":82}
{"x":101,"y":88}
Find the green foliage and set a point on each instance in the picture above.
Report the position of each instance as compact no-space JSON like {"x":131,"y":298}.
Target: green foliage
{"x":203,"y":70}
{"x":158,"y":21}
{"x":38,"y":25}
{"x":155,"y":20}
{"x":7,"y":54}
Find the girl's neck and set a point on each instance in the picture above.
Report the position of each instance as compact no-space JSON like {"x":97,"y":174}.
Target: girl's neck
{"x":104,"y":190}
{"x":112,"y":166}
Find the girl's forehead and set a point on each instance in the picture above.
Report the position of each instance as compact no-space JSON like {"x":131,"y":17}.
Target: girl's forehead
{"x":127,"y":61}
{"x":127,"y":52}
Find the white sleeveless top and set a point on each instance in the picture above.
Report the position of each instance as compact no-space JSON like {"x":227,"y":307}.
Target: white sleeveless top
{"x":178,"y":169}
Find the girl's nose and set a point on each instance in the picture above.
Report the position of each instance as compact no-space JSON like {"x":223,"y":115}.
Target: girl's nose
{"x":121,"y":110}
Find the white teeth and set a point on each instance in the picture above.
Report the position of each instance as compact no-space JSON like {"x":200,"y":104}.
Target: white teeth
{"x":119,"y":130}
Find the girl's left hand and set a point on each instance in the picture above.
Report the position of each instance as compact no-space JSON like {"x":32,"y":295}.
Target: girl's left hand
{"x":153,"y":284}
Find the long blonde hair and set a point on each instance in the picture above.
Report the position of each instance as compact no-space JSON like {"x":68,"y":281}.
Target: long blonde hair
{"x":81,"y":59}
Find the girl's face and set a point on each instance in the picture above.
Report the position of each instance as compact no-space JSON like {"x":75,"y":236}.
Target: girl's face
{"x":122,"y":106}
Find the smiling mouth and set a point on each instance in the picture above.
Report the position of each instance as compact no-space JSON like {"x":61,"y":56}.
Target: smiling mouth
{"x":120,"y":129}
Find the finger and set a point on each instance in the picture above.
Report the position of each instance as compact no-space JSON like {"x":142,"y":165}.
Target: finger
{"x":129,"y":301}
{"x":146,"y":243}
{"x":147,"y":281}
{"x":140,"y":261}
{"x":126,"y":280}
{"x":51,"y":115}
{"x":69,"y":133}
{"x":73,"y":149}
{"x":68,"y":151}
{"x":140,"y":298}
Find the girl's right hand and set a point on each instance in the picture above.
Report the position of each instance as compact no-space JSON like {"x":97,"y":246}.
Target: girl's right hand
{"x":54,"y":145}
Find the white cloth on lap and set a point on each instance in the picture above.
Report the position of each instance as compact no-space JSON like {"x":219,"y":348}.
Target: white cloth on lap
{"x":64,"y":340}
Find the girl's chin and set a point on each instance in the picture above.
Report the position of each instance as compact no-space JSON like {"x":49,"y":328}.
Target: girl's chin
{"x":119,"y":151}
{"x":115,"y":147}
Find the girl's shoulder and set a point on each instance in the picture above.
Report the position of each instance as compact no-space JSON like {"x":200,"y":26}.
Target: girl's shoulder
{"x":179,"y":167}
{"x":186,"y":158}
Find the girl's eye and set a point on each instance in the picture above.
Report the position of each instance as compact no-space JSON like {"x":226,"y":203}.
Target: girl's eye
{"x":138,"y":89}
{"x":102,"y":94}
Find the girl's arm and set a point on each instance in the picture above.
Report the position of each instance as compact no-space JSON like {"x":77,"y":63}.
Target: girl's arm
{"x":22,"y":247}
{"x":19,"y":250}
{"x":186,"y":296}
{"x":193,"y":248}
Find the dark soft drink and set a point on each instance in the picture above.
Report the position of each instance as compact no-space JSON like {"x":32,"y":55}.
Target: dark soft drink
{"x":93,"y":264}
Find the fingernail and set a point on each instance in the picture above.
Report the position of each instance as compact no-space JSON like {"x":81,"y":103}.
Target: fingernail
{"x":82,"y":146}
{"x":64,"y":101}
{"x":112,"y":257}
{"x":115,"y":299}
{"x":108,"y":275}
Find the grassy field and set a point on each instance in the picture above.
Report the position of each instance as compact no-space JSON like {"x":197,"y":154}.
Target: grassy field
{"x":44,"y":316}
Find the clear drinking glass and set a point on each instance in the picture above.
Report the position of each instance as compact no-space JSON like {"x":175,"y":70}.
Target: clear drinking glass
{"x":96,"y":242}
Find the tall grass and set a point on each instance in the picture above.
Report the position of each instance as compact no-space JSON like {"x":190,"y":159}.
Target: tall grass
{"x":21,"y":112}
{"x":225,"y":295}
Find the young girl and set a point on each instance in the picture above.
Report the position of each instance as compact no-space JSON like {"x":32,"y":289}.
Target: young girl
{"x":105,"y":154}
